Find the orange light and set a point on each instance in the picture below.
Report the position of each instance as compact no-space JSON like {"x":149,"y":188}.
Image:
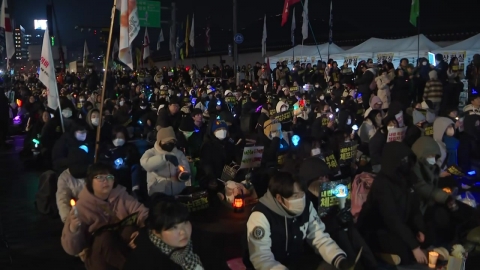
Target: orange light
{"x":180,"y":167}
{"x":72,"y":202}
{"x":238,"y":203}
{"x":19,"y":103}
{"x":447,"y":190}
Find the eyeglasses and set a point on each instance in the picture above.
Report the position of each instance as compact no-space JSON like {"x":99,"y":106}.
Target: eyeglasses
{"x":103,"y":178}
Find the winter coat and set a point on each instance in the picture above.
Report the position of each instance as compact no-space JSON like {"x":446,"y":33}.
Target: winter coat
{"x":68,"y":187}
{"x":162,"y":175}
{"x":391,"y":206}
{"x":383,"y":90}
{"x":439,"y":127}
{"x":62,"y":148}
{"x":427,"y":175}
{"x":95,"y":213}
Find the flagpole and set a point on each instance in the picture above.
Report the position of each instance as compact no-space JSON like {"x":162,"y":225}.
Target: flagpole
{"x":313,"y":34}
{"x":418,"y":37}
{"x":112,"y":20}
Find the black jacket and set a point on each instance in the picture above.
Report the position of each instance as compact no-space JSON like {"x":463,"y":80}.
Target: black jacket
{"x":62,"y":148}
{"x":165,"y":119}
{"x":391,"y":205}
{"x":215,"y":154}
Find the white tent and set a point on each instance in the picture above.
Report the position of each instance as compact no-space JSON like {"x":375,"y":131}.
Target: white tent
{"x":463,"y":50}
{"x":305,"y":54}
{"x":389,"y":49}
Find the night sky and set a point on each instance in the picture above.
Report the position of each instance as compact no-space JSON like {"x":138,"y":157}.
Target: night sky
{"x":353,"y":20}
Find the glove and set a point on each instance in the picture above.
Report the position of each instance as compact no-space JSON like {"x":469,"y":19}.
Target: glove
{"x":184,"y":176}
{"x":345,"y":265}
{"x":172,"y":159}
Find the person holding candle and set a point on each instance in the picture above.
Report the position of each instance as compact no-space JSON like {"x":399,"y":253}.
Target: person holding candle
{"x":101,"y":203}
{"x":167,"y":167}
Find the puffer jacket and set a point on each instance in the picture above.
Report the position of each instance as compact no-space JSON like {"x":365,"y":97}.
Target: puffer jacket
{"x":383,"y":90}
{"x":95,"y":213}
{"x":162,"y":176}
{"x":68,"y":187}
{"x":439,"y":127}
{"x":427,"y":175}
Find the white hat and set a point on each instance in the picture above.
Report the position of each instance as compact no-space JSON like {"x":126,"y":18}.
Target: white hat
{"x":228,"y":92}
{"x":209,"y":91}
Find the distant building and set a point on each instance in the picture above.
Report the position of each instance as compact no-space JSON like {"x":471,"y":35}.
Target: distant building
{"x":21,"y":41}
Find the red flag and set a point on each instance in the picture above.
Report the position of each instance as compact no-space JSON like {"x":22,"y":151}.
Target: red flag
{"x":286,"y":9}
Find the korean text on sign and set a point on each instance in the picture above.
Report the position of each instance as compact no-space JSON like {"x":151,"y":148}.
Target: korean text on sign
{"x":252,"y":157}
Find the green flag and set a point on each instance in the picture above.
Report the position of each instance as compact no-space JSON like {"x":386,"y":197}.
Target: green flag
{"x":414,"y":12}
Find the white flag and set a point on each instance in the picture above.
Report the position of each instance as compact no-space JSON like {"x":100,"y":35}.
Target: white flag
{"x":115,"y":49}
{"x":128,"y":29}
{"x":264,"y":37}
{"x":6,"y":24}
{"x":305,"y":21}
{"x":47,"y":72}
{"x":160,"y":39}
{"x":85,"y":55}
{"x":146,"y":45}
{"x":192,"y":32}
{"x":172,"y":44}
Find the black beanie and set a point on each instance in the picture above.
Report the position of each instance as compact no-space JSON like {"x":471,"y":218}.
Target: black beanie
{"x":187,"y":124}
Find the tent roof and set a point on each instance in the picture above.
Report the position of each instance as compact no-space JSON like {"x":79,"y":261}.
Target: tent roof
{"x":469,"y":44}
{"x":412,"y":44}
{"x":309,"y":51}
{"x":372,"y":45}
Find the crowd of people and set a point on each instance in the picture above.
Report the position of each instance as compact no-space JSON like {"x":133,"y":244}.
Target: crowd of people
{"x":391,"y":132}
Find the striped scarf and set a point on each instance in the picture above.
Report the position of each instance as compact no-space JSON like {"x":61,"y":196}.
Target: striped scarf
{"x":181,"y":256}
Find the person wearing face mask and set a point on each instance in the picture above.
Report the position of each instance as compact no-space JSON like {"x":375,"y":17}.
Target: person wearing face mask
{"x":124,"y":158}
{"x":280,"y":224}
{"x":167,"y":167}
{"x":218,"y":150}
{"x":443,"y":133}
{"x":76,"y":138}
{"x":93,"y":122}
{"x":189,"y":142}
{"x":378,"y":141}
{"x":390,"y":219}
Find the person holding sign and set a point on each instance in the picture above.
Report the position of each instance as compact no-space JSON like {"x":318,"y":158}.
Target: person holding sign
{"x":280,"y":224}
{"x":390,"y":219}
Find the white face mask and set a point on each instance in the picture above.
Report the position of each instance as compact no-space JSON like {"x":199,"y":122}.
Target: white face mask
{"x":121,"y":103}
{"x":349,"y":121}
{"x":95,"y":121}
{"x":67,"y":113}
{"x":450,"y":131}
{"x":296,"y":206}
{"x":431,"y":160}
{"x":424,"y":63}
{"x":143,"y":107}
{"x":283,"y":109}
{"x":80,"y":136}
{"x":220,"y":134}
{"x":118,"y":142}
{"x":390,"y":127}
{"x":315,"y":152}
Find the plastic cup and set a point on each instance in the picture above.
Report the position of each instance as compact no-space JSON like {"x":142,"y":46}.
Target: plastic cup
{"x":432,"y":259}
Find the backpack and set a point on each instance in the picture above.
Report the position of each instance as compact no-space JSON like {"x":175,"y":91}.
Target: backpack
{"x":360,"y":188}
{"x":45,"y":198}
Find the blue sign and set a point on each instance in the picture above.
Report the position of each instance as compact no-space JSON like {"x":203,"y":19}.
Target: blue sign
{"x":238,"y":38}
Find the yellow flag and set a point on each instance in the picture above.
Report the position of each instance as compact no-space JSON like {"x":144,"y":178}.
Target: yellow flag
{"x":187,"y":36}
{"x":139,"y":57}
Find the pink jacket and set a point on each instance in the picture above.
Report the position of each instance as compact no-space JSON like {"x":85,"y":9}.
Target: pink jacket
{"x":94,"y":213}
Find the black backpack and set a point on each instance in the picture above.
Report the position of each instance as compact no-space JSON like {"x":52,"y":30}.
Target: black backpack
{"x":45,"y":199}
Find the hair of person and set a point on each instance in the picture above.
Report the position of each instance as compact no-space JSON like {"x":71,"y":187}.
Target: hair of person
{"x":281,"y":183}
{"x":118,"y":129}
{"x":78,"y":125}
{"x":94,"y":170}
{"x":165,"y":214}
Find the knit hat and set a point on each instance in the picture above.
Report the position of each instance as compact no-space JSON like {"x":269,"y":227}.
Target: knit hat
{"x":218,"y":124}
{"x":187,"y":124}
{"x":173,"y":100}
{"x":270,"y":126}
{"x":165,"y":135}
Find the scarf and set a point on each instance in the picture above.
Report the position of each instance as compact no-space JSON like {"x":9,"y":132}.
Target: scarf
{"x":181,"y":256}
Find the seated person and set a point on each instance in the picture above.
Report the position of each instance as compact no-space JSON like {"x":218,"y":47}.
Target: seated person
{"x":123,"y":157}
{"x":101,"y":203}
{"x":166,"y":243}
{"x":278,"y":226}
{"x":167,"y":167}
{"x":71,"y":181}
{"x":390,"y":219}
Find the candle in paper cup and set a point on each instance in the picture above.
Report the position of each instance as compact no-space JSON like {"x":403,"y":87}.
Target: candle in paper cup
{"x":432,"y":259}
{"x":180,"y":167}
{"x":72,"y":203}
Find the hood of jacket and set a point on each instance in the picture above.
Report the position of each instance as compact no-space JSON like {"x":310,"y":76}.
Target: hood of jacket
{"x":425,"y":146}
{"x":439,"y":127}
{"x":393,"y":153}
{"x":269,"y":201}
{"x":91,"y":201}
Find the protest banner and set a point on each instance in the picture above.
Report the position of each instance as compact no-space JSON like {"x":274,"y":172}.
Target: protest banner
{"x":429,"y":130}
{"x":328,"y":199}
{"x":252,"y":157}
{"x":348,"y":152}
{"x":231,"y":100}
{"x":284,"y":117}
{"x":396,"y":134}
